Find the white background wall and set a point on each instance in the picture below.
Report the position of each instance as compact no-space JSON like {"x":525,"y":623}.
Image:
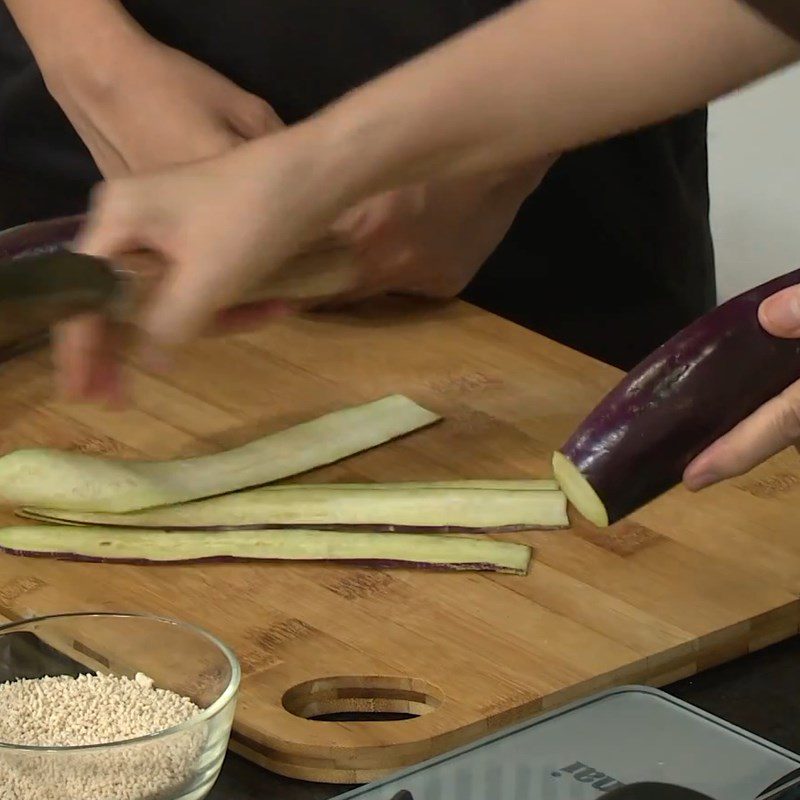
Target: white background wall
{"x":754,"y":163}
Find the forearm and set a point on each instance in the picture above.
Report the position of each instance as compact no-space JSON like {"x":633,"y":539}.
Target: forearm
{"x":542,"y":77}
{"x":68,"y":34}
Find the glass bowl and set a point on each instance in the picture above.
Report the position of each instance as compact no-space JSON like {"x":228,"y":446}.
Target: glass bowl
{"x":177,"y":763}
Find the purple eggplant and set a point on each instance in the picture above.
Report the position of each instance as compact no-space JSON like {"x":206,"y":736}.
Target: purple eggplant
{"x":636,"y":444}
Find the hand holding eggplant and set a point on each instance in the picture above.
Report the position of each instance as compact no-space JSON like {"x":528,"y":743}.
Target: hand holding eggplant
{"x":713,"y":401}
{"x":772,"y":427}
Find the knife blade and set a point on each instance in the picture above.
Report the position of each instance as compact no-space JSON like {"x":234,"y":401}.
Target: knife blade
{"x":42,"y":288}
{"x":39,"y":290}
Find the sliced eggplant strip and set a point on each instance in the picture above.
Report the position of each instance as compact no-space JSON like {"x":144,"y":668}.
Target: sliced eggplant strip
{"x":391,"y":508}
{"x":522,"y":485}
{"x":134,"y":546}
{"x":79,"y":482}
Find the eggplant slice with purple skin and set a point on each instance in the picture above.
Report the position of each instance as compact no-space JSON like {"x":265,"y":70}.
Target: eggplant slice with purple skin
{"x":383,"y":507}
{"x":636,"y":444}
{"x":150,"y":547}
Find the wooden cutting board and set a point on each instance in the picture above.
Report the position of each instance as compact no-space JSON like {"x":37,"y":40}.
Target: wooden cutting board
{"x":688,"y":583}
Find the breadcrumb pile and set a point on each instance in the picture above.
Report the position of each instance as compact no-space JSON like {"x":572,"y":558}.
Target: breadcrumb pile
{"x":63,"y":711}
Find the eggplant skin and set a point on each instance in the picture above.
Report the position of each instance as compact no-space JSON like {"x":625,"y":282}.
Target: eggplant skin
{"x":40,"y":236}
{"x":371,"y":563}
{"x":378,"y":528}
{"x":693,"y":389}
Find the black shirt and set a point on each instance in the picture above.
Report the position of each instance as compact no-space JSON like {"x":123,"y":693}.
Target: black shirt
{"x":783,"y":13}
{"x":611,"y":255}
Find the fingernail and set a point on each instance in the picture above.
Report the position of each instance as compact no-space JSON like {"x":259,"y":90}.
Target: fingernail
{"x":700,"y":474}
{"x":695,"y":483}
{"x":782,"y":312}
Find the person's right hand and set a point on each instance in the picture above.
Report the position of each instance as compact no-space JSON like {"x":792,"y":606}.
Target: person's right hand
{"x":220,"y":226}
{"x":770,"y":428}
{"x":215,"y":227}
{"x":142,"y":105}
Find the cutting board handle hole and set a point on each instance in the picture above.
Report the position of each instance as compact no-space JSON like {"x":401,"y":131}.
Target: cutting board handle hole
{"x":362,"y":698}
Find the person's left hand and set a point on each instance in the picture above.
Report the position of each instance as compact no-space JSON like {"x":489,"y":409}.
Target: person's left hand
{"x":769,"y":429}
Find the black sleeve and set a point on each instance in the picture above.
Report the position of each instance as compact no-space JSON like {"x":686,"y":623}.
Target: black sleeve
{"x":783,"y":13}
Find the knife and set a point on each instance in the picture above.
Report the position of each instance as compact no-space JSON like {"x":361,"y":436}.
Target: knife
{"x":41,"y":288}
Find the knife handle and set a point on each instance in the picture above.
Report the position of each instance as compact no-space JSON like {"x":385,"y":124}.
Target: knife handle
{"x":327,"y":270}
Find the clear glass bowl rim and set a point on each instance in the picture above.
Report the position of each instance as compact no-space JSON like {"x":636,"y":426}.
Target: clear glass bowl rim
{"x":227,"y":695}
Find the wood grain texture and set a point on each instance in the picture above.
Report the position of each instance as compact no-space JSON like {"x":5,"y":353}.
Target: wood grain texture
{"x":689,"y":582}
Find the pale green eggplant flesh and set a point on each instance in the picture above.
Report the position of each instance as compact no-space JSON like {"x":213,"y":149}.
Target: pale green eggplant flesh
{"x":476,"y":510}
{"x":80,"y":482}
{"x":512,"y":484}
{"x":153,"y":547}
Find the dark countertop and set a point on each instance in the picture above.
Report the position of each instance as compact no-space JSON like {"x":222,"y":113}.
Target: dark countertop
{"x":758,"y":693}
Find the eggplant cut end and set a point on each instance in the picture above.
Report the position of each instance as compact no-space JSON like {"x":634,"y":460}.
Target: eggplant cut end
{"x":579,"y":491}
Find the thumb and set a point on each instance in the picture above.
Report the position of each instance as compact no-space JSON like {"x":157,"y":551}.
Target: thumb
{"x":780,"y":313}
{"x":106,"y":230}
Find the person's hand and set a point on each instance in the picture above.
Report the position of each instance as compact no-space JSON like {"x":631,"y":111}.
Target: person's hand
{"x":222,"y":224}
{"x":430,"y":240}
{"x":769,"y":429}
{"x":214,"y":228}
{"x":139,"y":106}
{"x":145,"y":106}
